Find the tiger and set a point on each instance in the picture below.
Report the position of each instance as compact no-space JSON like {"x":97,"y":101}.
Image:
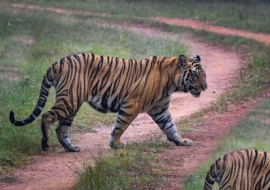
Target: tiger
{"x":110,"y":84}
{"x":240,"y":170}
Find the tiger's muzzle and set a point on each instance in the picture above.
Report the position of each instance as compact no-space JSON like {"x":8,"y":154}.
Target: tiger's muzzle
{"x":196,"y":91}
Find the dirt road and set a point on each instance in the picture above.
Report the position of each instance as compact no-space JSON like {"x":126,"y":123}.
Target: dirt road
{"x":197,"y":25}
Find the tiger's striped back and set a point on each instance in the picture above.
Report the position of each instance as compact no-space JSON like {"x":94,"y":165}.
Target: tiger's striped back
{"x":240,"y":170}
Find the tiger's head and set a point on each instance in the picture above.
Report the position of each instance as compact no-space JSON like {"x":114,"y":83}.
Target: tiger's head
{"x":193,"y":77}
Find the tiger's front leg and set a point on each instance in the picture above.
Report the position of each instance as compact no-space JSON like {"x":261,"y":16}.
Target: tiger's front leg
{"x":116,"y":134}
{"x":124,"y":119}
{"x":163,"y":118}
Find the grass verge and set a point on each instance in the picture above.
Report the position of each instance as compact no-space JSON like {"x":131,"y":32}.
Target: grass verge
{"x":130,"y":168}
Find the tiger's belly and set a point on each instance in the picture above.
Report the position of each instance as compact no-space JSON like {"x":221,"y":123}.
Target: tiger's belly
{"x":104,"y":105}
{"x":113,"y":104}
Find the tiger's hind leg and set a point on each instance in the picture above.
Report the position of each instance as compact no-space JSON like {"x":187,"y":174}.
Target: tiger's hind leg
{"x":62,"y":132}
{"x":163,"y":119}
{"x":48,"y":119}
{"x":57,"y":113}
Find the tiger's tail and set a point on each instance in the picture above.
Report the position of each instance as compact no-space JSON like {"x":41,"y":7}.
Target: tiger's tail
{"x":212,"y":175}
{"x":42,"y":99}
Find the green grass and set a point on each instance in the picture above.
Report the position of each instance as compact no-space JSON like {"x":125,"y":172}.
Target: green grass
{"x":130,"y":168}
{"x":251,"y":132}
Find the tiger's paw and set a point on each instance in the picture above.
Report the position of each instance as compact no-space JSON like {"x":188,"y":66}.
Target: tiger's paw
{"x":72,"y":148}
{"x":182,"y":142}
{"x":44,"y":144}
{"x":187,"y":142}
{"x":117,"y":144}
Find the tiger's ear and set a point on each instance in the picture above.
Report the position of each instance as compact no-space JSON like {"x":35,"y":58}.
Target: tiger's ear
{"x":197,"y":58}
{"x":182,"y":61}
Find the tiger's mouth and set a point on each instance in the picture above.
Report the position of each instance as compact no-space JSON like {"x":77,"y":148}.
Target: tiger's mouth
{"x":196,"y":94}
